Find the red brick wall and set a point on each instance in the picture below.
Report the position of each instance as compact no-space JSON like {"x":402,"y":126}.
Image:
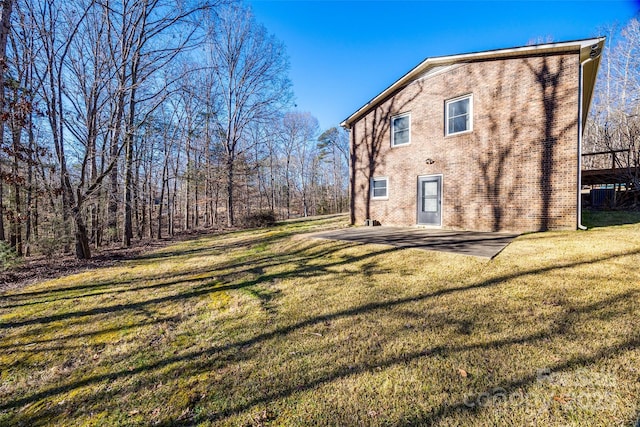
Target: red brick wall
{"x":515,"y":171}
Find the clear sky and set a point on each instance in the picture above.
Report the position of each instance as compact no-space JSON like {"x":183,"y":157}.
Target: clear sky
{"x":343,"y":53}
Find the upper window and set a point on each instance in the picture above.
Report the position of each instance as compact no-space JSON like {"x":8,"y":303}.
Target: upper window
{"x":379,"y":188}
{"x":400,"y":129}
{"x":459,"y":115}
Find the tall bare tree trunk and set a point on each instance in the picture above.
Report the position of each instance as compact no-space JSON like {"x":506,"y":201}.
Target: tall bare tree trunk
{"x":83,"y":250}
{"x":230,"y":176}
{"x":2,"y":233}
{"x":128,"y":182}
{"x":164,"y":184}
{"x":196,"y":200}
{"x":129,"y":134}
{"x":187,"y":177}
{"x":5,"y":28}
{"x":112,"y":203}
{"x":16,"y":226}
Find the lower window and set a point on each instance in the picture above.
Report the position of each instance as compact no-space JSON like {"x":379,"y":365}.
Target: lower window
{"x":380,"y":188}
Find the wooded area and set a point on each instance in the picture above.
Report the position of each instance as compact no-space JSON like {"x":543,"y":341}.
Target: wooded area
{"x":138,"y":119}
{"x":613,"y":128}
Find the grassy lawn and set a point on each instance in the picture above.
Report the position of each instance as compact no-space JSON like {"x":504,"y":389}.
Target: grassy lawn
{"x":607,"y":218}
{"x":270,"y":327}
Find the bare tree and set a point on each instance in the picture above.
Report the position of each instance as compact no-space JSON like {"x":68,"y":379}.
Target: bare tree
{"x":334,"y":148}
{"x":615,"y":116}
{"x":250,"y":77}
{"x":5,"y":28}
{"x":51,"y":20}
{"x":301,"y":133}
{"x":151,"y":34}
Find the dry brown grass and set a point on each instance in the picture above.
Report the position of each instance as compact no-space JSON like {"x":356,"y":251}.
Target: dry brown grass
{"x":263,"y":327}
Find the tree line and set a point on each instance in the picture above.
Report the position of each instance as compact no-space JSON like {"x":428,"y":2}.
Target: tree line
{"x":614,"y":121}
{"x":135,"y":119}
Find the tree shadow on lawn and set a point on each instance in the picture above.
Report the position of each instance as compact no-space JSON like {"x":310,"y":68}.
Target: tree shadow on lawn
{"x":140,"y":324}
{"x":215,"y":282}
{"x":473,"y":402}
{"x":193,"y":363}
{"x":212,"y":246}
{"x":249,"y":238}
{"x":301,"y":268}
{"x":114,"y":286}
{"x":541,"y":337}
{"x":217,"y":246}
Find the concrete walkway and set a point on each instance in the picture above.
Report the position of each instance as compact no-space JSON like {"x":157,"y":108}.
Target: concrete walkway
{"x":485,"y":245}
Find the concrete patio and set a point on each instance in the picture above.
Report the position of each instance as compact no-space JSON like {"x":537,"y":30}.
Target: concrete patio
{"x":485,"y":245}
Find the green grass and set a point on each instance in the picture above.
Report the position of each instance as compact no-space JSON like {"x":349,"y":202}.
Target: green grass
{"x":272,"y":327}
{"x":607,"y":218}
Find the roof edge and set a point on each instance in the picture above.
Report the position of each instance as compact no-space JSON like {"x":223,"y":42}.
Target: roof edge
{"x":567,"y":46}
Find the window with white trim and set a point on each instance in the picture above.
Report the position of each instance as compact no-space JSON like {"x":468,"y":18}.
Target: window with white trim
{"x":380,"y":187}
{"x":401,"y":129}
{"x":459,"y":115}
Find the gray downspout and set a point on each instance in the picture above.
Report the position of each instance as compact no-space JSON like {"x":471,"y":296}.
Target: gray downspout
{"x":580,"y":129}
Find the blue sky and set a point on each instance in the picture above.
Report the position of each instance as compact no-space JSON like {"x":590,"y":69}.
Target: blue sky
{"x":343,"y":53}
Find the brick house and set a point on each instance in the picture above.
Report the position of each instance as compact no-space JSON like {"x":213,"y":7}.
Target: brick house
{"x":486,"y":141}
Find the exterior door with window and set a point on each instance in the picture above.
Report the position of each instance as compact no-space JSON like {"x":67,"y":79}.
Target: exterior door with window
{"x":430,"y":200}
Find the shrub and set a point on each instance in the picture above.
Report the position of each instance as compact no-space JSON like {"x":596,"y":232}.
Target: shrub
{"x":8,"y":257}
{"x":49,"y":246}
{"x":259,"y":220}
{"x":54,"y":237}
